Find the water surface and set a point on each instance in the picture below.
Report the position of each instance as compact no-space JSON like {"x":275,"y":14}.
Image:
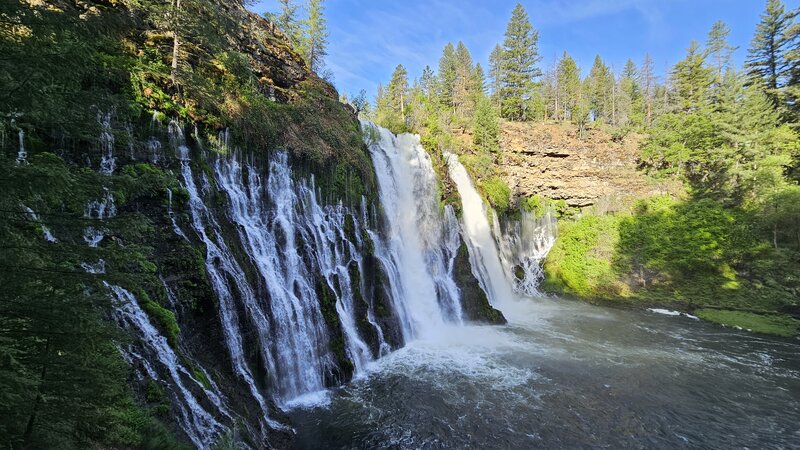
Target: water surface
{"x":566,"y":374}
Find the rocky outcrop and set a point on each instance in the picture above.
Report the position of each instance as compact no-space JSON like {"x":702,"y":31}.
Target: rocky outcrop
{"x":474,"y":302}
{"x":554,"y":161}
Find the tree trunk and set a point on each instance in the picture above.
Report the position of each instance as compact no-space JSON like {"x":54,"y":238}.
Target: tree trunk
{"x":775,"y":235}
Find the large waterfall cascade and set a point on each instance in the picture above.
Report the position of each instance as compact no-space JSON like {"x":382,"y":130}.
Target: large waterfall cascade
{"x":270,"y":298}
{"x":420,"y":245}
{"x":498,"y":253}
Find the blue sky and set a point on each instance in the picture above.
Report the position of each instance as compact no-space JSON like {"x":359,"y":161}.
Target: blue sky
{"x":368,"y":38}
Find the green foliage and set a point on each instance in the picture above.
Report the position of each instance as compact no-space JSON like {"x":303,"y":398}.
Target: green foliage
{"x":580,"y":263}
{"x":691,"y":78}
{"x":766,"y":66}
{"x":498,"y":193}
{"x":541,"y":205}
{"x":486,"y":129}
{"x":164,"y":319}
{"x":518,"y":69}
{"x":696,"y":239}
{"x":779,"y":325}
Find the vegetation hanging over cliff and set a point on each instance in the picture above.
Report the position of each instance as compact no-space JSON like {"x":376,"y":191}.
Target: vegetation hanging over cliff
{"x":75,"y":77}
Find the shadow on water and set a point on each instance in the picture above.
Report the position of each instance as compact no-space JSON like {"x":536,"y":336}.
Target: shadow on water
{"x":566,"y":374}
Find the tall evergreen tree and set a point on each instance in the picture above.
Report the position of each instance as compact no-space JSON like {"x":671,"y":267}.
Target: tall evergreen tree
{"x":496,"y":73}
{"x":691,"y":79}
{"x":600,"y":90}
{"x":792,"y":57}
{"x":428,"y":82}
{"x":448,"y":71}
{"x":288,"y":21}
{"x":648,"y":85}
{"x":518,"y":69}
{"x":569,"y":87}
{"x":316,"y":35}
{"x":629,"y":102}
{"x":464,"y":82}
{"x":765,"y":64}
{"x":392,"y":102}
{"x":720,"y":52}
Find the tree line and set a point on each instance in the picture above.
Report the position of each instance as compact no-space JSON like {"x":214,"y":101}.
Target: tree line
{"x":728,"y":131}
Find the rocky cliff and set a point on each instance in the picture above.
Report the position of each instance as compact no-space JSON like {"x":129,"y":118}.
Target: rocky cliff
{"x":556,"y":162}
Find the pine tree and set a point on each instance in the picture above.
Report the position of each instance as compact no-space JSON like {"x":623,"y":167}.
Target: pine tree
{"x":495,"y":73}
{"x":288,"y":22}
{"x":569,"y":87}
{"x":792,"y":57}
{"x":691,"y":79}
{"x":719,"y":50}
{"x":630,"y":101}
{"x":518,"y":69}
{"x":600,"y":90}
{"x":765,"y":64}
{"x":316,"y":36}
{"x":428,"y":82}
{"x":464,"y":82}
{"x":486,"y":130}
{"x":448,"y":71}
{"x":647,"y":81}
{"x":392,"y":102}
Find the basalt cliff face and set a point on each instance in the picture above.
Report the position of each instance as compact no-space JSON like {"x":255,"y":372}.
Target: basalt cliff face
{"x":556,"y":162}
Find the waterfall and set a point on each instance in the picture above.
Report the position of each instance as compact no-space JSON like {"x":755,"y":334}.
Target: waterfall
{"x":154,"y":150}
{"x":229,"y":283}
{"x":33,"y":217}
{"x":483,"y":254}
{"x":416,"y":255}
{"x":524,"y":243}
{"x":175,"y":227}
{"x":198,"y":406}
{"x":293,"y":243}
{"x":266,"y":219}
{"x":101,"y":209}
{"x":499,"y":253}
{"x":107,"y":160}
{"x":192,"y":400}
{"x":22,"y":155}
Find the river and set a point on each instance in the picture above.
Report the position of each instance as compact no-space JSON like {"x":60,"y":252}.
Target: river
{"x":564,"y":374}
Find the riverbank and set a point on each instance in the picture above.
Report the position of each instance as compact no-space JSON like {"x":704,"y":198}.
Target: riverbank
{"x":695,"y":257}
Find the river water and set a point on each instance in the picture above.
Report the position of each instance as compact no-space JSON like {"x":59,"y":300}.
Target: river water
{"x":564,"y":374}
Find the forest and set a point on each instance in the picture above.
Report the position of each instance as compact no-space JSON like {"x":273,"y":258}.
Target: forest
{"x":190,"y":164}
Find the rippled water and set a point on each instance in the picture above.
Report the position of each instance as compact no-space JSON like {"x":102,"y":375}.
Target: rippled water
{"x":566,"y":374}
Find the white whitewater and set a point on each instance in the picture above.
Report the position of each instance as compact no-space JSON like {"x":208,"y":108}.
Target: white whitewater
{"x":483,"y":253}
{"x":100,"y":210}
{"x":108,"y":163}
{"x":175,"y":227}
{"x":228,"y":281}
{"x":524,"y":244}
{"x":22,"y":155}
{"x":33,"y":217}
{"x":425,"y":297}
{"x":291,"y":240}
{"x":195,"y":419}
{"x":266,"y":215}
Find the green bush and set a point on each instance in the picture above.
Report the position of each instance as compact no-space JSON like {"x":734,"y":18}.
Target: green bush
{"x":165,"y":320}
{"x":498,"y":193}
{"x":775,"y":324}
{"x":580,"y":263}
